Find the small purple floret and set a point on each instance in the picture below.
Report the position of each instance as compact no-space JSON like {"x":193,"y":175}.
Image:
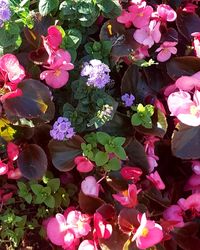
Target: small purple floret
{"x":128,"y":99}
{"x":97,"y":72}
{"x":62,"y":129}
{"x":5,"y":12}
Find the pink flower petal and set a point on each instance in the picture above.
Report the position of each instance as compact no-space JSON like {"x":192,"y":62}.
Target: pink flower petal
{"x":55,"y":78}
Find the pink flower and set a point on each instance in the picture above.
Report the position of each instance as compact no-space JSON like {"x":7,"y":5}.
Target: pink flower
{"x":148,"y":233}
{"x":140,"y":15}
{"x":14,"y":174}
{"x":12,"y":151}
{"x":79,"y":223}
{"x":185,"y":109}
{"x":190,"y":8}
{"x":196,"y":43}
{"x":57,"y":229}
{"x":166,"y":13}
{"x":128,"y":198}
{"x":156,"y":180}
{"x":3,"y":168}
{"x":89,"y":186}
{"x":83,"y":164}
{"x":57,"y":75}
{"x":87,"y":245}
{"x":131,"y":173}
{"x":193,"y":184}
{"x":147,"y":35}
{"x":141,"y":52}
{"x":166,"y":50}
{"x":102,"y":228}
{"x":174,"y":213}
{"x":192,"y":203}
{"x":125,"y":18}
{"x":11,"y":70}
{"x":196,"y":167}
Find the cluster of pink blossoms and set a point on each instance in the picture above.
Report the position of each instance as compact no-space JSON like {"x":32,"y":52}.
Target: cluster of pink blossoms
{"x":59,"y":60}
{"x":148,"y":25}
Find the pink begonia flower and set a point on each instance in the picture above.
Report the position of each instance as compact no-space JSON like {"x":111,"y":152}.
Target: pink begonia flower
{"x":174,"y":213}
{"x":156,"y":180}
{"x":70,"y":240}
{"x":12,"y":151}
{"x":89,"y":186}
{"x":148,"y":35}
{"x":14,"y":174}
{"x":57,"y":74}
{"x":192,"y":203}
{"x":196,"y":167}
{"x":79,"y":223}
{"x":166,"y":50}
{"x":148,"y":233}
{"x":3,"y":168}
{"x":87,"y":245}
{"x":193,"y":184}
{"x":56,"y":229}
{"x":102,"y":228}
{"x":83,"y":164}
{"x":125,"y":18}
{"x":140,"y":15}
{"x":141,"y":52}
{"x":131,"y":173}
{"x":185,"y":109}
{"x":128,"y":198}
{"x":190,"y":8}
{"x":166,"y":13}
{"x":196,"y":43}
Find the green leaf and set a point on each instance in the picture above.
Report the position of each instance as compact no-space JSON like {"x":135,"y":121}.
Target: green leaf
{"x":50,"y":201}
{"x":113,"y":164}
{"x":120,"y":152}
{"x":119,"y":141}
{"x":101,"y":158}
{"x":54,"y":184}
{"x":28,"y":198}
{"x":136,"y":119}
{"x":150,"y":109}
{"x":103,"y":138}
{"x":72,"y":38}
{"x":36,"y":188}
{"x":46,"y":6}
{"x":22,"y":186}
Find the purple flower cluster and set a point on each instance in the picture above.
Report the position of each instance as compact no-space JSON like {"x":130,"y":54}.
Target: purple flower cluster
{"x":128,"y":99}
{"x":62,"y":129}
{"x":5,"y":12}
{"x":97,"y":72}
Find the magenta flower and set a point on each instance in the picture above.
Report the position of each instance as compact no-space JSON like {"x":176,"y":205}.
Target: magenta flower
{"x":89,"y":186}
{"x":140,"y":15}
{"x":196,"y":167}
{"x":125,"y":18}
{"x":148,"y":35}
{"x":11,"y":72}
{"x":192,"y":203}
{"x":128,"y":198}
{"x":3,"y":168}
{"x":193,"y":183}
{"x":174,"y":213}
{"x":57,"y":74}
{"x":83,"y":164}
{"x":184,"y":108}
{"x":166,"y":13}
{"x":87,"y":244}
{"x":131,"y":173}
{"x":156,"y":180}
{"x":148,"y":233}
{"x":12,"y":151}
{"x":196,"y":43}
{"x":102,"y":228}
{"x":166,"y":50}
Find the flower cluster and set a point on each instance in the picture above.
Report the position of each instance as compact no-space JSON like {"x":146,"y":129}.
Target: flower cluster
{"x":62,"y":129}
{"x":5,"y":13}
{"x":97,"y":73}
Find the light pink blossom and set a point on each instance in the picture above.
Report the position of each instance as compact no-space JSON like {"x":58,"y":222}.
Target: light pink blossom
{"x":192,"y":203}
{"x":166,"y":50}
{"x":57,"y":74}
{"x":89,"y":186}
{"x":148,"y":35}
{"x":87,"y":245}
{"x":128,"y":198}
{"x":184,"y":108}
{"x":156,"y":180}
{"x":174,"y":213}
{"x":84,"y":165}
{"x":140,"y":15}
{"x":166,"y":13}
{"x":196,"y":43}
{"x":148,"y":233}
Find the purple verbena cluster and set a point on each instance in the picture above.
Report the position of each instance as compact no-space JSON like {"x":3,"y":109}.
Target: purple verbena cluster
{"x":97,"y":72}
{"x":5,"y":12}
{"x":62,"y":129}
{"x":128,"y":99}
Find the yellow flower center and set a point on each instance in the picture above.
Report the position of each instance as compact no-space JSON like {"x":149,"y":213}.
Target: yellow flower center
{"x":57,"y":72}
{"x":193,"y":110}
{"x":141,"y":14}
{"x":80,"y":224}
{"x":109,"y":27}
{"x":125,"y":193}
{"x":145,"y":232}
